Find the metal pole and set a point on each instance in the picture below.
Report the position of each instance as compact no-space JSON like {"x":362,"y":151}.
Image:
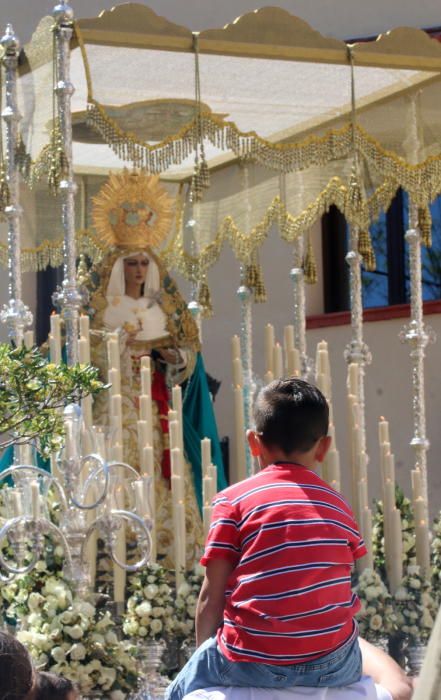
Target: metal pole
{"x":16,"y":315}
{"x":69,"y":297}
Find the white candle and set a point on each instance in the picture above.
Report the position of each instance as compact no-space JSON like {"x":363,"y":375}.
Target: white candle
{"x":141,"y":507}
{"x":417,"y":487}
{"x":29,"y":339}
{"x":146,"y":414}
{"x":240,"y":462}
{"x":173,"y":431}
{"x":206,"y":514}
{"x":115,"y":381}
{"x":146,"y":362}
{"x":117,"y":452}
{"x":235,"y":348}
{"x":146,"y":381}
{"x":288,"y":335}
{"x":363,"y":498}
{"x":206,"y":454}
{"x":366,"y":525}
{"x":54,"y":350}
{"x":207,"y":489}
{"x":35,"y":500}
{"x":113,"y":351}
{"x":237,"y":372}
{"x":322,"y":362}
{"x":383,"y":431}
{"x":332,"y":468}
{"x":278,"y":361}
{"x":84,"y":326}
{"x":177,"y":487}
{"x":83,"y":352}
{"x":293,"y":363}
{"x":119,"y":574}
{"x":176,"y":462}
{"x":147,"y":461}
{"x":100,"y":442}
{"x":180,"y":554}
{"x":92,"y":543}
{"x":268,"y":377}
{"x":396,"y":567}
{"x":269,"y":345}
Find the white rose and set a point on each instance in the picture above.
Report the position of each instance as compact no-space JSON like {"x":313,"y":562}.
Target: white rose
{"x":184,"y":589}
{"x":111,"y":638}
{"x":401,"y":594}
{"x":143,"y":608}
{"x":413,"y":570}
{"x":107,"y":678}
{"x":158,"y":611}
{"x":66,"y":617}
{"x":35,"y":600}
{"x":151,"y":591}
{"x":78,"y":652}
{"x":376,"y":622}
{"x":142,"y":632}
{"x":414,"y":583}
{"x":130,"y":627}
{"x":97,"y":638}
{"x":117,"y":695}
{"x":156,"y":626}
{"x":85,"y":609}
{"x":74,"y":632}
{"x":58,"y":655}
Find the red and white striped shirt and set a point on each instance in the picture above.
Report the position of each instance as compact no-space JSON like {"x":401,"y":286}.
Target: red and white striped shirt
{"x":292,"y":540}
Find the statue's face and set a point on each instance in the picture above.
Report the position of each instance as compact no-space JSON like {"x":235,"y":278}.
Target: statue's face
{"x":135,"y":269}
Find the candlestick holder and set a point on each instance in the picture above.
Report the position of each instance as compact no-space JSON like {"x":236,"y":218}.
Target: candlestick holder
{"x":82,"y":484}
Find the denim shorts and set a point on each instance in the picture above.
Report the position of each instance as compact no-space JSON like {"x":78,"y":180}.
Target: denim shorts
{"x":209,"y":668}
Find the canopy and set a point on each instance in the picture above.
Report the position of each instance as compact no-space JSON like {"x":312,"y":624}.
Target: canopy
{"x":266,"y":101}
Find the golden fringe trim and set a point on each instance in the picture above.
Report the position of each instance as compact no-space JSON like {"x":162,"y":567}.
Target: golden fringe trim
{"x":309,"y":263}
{"x":425,"y":226}
{"x":366,"y":250}
{"x":204,"y":299}
{"x":244,"y":245}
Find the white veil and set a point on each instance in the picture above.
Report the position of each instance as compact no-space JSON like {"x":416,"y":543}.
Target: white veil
{"x":117,"y":286}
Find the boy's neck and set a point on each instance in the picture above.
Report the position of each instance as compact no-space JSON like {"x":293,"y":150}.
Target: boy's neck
{"x":302,"y":459}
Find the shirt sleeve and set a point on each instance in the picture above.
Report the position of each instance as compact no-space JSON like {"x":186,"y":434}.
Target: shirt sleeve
{"x":223,"y":541}
{"x":356,"y":543}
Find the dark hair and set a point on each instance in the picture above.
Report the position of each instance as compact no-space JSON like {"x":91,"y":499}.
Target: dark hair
{"x":48,"y":686}
{"x":16,"y":671}
{"x":291,"y":414}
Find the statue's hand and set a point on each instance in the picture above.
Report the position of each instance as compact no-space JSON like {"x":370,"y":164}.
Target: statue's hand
{"x":170,"y":355}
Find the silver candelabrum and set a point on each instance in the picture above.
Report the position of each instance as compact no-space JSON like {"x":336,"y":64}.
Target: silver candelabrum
{"x":112,"y":492}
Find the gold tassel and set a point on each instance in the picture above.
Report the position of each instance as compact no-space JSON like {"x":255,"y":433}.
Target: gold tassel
{"x":355,"y":194}
{"x":309,"y":264}
{"x":425,"y":225}
{"x":251,"y":276}
{"x":58,"y":161}
{"x":366,"y":250}
{"x":200,"y":181}
{"x":259,"y":289}
{"x":204,"y":299}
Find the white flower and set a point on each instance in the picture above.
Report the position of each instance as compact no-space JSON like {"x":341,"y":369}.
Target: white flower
{"x":142,"y":632}
{"x":35,"y":600}
{"x":97,"y":638}
{"x":107,"y":677}
{"x":376,"y":622}
{"x":151,"y":591}
{"x":413,"y":570}
{"x":143,"y":608}
{"x":111,"y":638}
{"x":184,"y":589}
{"x":130,"y":627}
{"x":117,"y":695}
{"x":58,"y":654}
{"x":401,"y":594}
{"x":78,"y":652}
{"x":414,"y":583}
{"x":75,"y":632}
{"x":85,"y":608}
{"x":158,"y":612}
{"x":156,"y":626}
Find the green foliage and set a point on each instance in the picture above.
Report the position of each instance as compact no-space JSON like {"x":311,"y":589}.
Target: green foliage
{"x":32,"y":392}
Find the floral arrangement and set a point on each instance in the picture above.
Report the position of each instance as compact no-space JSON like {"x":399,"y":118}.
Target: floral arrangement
{"x":407,"y":530}
{"x":436,"y":558}
{"x":150,"y":607}
{"x":415,"y":607}
{"x":69,"y":636}
{"x":376,"y":618}
{"x":186,"y":599}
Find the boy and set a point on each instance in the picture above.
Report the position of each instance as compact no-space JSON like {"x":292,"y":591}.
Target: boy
{"x":276,"y":608}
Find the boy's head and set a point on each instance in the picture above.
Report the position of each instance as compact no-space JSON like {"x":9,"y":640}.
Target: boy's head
{"x":291,"y":418}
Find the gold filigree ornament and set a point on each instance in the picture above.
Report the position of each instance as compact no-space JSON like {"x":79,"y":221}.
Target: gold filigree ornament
{"x":132,"y":209}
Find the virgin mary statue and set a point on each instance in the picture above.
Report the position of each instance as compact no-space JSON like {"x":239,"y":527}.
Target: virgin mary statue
{"x":134,"y":296}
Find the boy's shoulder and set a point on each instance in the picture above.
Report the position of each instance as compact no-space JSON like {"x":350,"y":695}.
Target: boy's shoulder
{"x":241,"y":487}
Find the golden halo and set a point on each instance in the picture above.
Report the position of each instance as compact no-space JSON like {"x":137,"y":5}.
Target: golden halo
{"x":132,"y":209}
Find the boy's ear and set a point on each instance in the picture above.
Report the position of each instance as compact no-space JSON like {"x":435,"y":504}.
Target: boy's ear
{"x":254,"y":443}
{"x":322,"y":448}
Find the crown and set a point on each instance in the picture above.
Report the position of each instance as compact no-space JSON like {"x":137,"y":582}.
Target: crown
{"x":132,"y":210}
